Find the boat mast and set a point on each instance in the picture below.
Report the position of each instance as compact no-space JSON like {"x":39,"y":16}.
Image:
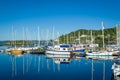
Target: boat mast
{"x":67,"y":39}
{"x":23,"y":36}
{"x":74,"y":38}
{"x":47,"y":37}
{"x":15,"y":38}
{"x":38,"y":36}
{"x":118,"y":35}
{"x":12,"y":37}
{"x":64,"y":39}
{"x":79,"y":36}
{"x":26,"y":37}
{"x":103,"y":34}
{"x":53,"y":35}
{"x":58,"y":37}
{"x":91,"y":40}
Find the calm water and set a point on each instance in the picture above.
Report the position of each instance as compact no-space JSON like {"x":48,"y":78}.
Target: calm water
{"x":48,"y":67}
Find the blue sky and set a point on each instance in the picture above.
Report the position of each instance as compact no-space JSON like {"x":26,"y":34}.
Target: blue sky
{"x":64,"y":15}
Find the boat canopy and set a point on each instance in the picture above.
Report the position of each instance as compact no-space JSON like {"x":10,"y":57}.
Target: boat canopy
{"x":64,"y":46}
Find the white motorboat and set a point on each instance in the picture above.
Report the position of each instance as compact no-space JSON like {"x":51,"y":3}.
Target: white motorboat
{"x":60,"y":49}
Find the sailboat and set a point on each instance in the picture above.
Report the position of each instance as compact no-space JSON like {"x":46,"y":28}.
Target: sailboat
{"x":15,"y":50}
{"x":79,"y":48}
{"x":59,"y":48}
{"x":38,"y":49}
{"x":99,"y":53}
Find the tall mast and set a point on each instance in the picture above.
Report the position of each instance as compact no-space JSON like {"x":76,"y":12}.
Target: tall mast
{"x":117,"y":34}
{"x":67,"y":39}
{"x":91,"y":37}
{"x":103,"y":34}
{"x":92,"y":40}
{"x":15,"y":38}
{"x":64,"y":39}
{"x":47,"y":36}
{"x":79,"y":36}
{"x":38,"y":36}
{"x":27,"y":36}
{"x":74,"y":38}
{"x":23,"y":36}
{"x":12,"y":36}
{"x":53,"y":36}
{"x":58,"y":37}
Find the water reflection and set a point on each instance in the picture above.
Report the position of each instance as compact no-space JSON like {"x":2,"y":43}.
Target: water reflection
{"x":23,"y":65}
{"x":72,"y":67}
{"x":60,"y":59}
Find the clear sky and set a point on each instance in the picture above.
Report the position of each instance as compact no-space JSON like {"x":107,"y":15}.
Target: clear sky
{"x":64,"y":15}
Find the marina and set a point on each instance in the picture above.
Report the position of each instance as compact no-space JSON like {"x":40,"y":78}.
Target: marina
{"x":59,"y":40}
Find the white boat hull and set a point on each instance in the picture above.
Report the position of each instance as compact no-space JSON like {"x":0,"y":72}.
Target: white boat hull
{"x":99,"y":54}
{"x":59,"y":52}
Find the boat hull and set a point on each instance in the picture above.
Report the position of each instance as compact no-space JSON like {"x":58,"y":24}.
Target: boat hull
{"x":17,"y":52}
{"x":99,"y":54}
{"x":59,"y":52}
{"x":37,"y":52}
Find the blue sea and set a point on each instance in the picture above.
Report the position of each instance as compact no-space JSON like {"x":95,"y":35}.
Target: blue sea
{"x":55,"y":67}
